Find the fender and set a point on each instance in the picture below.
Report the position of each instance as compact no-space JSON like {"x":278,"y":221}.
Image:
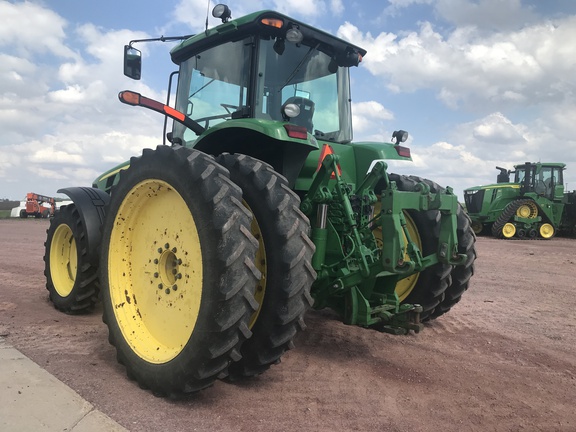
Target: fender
{"x":90,"y":203}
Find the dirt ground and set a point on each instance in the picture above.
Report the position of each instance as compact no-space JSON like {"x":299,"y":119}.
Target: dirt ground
{"x":504,"y":359}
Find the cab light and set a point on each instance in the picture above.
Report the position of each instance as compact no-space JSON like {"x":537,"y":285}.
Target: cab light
{"x":294,"y":35}
{"x":223,"y":12}
{"x":272,"y":22}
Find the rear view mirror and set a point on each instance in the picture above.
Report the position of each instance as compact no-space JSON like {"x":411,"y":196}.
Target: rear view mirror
{"x":132,"y":62}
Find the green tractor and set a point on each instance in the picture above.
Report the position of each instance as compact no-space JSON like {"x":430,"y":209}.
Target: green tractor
{"x":208,"y":251}
{"x":531,"y":206}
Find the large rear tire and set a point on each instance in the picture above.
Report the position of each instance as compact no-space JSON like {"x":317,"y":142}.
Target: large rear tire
{"x":71,"y":279}
{"x":284,"y":259}
{"x":177,"y":270}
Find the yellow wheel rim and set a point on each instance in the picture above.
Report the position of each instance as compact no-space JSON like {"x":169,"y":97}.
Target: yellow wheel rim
{"x":63,"y":260}
{"x":527,"y":211}
{"x":508,"y":230}
{"x":155,"y":271}
{"x":404,"y":286}
{"x":477,"y":227}
{"x":546,"y":230}
{"x":260,"y":261}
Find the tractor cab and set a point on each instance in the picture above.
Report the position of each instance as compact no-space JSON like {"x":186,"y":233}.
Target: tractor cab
{"x":270,"y":76}
{"x":269,"y":67}
{"x":542,"y":179}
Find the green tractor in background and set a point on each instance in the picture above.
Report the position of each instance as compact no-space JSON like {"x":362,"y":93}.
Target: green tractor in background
{"x":531,"y":206}
{"x":208,"y":251}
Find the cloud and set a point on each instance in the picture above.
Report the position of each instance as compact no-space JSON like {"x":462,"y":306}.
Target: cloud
{"x":497,"y":128}
{"x":61,"y":121}
{"x":369,"y":119}
{"x":30,"y":28}
{"x":486,"y":14}
{"x":466,"y":68}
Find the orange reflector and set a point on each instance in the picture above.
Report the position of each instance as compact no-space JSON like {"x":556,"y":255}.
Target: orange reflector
{"x":272,"y":22}
{"x":327,"y":150}
{"x":173,"y":113}
{"x":129,"y":97}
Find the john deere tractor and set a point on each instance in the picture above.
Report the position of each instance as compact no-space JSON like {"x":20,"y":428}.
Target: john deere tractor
{"x":208,"y":250}
{"x":530,"y":206}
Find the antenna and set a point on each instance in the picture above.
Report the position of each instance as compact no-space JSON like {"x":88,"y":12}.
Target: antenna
{"x":207,"y":12}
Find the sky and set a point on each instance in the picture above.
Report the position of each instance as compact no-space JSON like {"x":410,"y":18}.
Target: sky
{"x":476,"y":83}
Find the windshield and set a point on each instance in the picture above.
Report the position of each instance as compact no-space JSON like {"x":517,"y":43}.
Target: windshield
{"x":213,"y":86}
{"x":304,"y":76}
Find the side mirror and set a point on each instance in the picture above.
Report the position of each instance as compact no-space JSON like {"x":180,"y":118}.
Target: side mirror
{"x":132,"y":62}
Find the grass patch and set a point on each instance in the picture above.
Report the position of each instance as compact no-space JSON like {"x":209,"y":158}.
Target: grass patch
{"x":4,"y":214}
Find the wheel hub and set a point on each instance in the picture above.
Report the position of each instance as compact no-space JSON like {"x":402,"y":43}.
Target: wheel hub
{"x":167,"y":268}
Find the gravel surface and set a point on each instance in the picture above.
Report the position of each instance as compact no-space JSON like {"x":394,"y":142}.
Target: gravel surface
{"x":502,"y":360}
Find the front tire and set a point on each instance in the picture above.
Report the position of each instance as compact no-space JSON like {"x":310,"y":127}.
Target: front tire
{"x":71,"y":279}
{"x":177,"y":270}
{"x":284,"y":259}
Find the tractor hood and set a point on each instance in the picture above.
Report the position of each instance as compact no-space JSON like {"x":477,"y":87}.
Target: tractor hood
{"x":493,"y":186}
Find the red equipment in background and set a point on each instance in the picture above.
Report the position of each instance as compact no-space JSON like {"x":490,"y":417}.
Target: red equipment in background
{"x":39,"y":206}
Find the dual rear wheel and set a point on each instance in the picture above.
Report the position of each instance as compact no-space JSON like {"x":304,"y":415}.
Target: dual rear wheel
{"x":204,"y":277}
{"x":207,"y":272}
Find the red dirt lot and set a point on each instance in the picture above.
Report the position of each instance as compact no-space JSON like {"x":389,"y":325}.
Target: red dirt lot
{"x":504,"y":359}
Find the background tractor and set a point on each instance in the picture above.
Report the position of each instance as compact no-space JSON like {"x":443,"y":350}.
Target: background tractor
{"x":39,"y":206}
{"x":532,"y":205}
{"x":208,"y":251}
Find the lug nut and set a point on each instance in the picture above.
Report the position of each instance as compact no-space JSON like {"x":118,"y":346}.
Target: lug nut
{"x":160,"y":286}
{"x":174,"y":250}
{"x":156,"y":274}
{"x":167,"y":291}
{"x":174,"y":271}
{"x":155,"y":261}
{"x":167,"y":245}
{"x":174,"y":287}
{"x":179,"y":276}
{"x":159,"y":250}
{"x":179,"y":261}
